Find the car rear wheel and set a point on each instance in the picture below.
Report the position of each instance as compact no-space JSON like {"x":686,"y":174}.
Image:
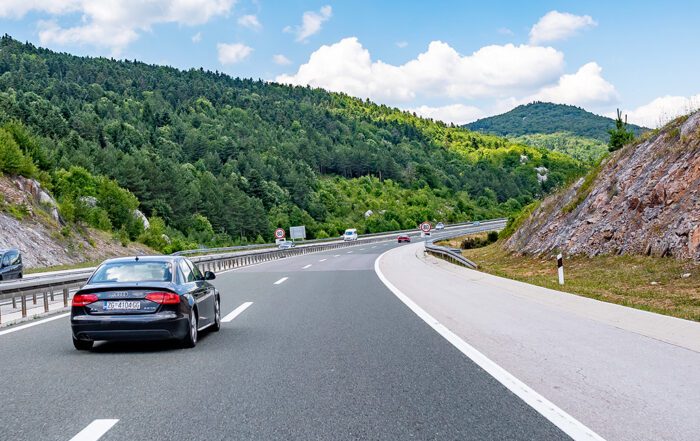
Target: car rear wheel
{"x":217,"y":316}
{"x":82,"y":345}
{"x":190,"y":340}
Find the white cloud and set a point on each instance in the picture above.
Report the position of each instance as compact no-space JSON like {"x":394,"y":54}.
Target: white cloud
{"x":401,"y":44}
{"x":584,"y":88}
{"x":311,"y":23}
{"x":196,"y":38}
{"x":440,"y":71}
{"x":233,"y":52}
{"x":112,"y":24}
{"x":557,"y":25}
{"x":661,"y":110}
{"x":250,"y":22}
{"x":453,"y":113}
{"x":281,"y":60}
{"x":506,"y":31}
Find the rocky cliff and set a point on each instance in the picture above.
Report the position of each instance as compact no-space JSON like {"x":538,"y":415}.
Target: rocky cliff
{"x":643,"y":199}
{"x":29,"y":220}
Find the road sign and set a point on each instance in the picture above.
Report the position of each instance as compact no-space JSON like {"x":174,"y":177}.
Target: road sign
{"x":297,"y":232}
{"x":426,"y":227}
{"x":280,"y":233}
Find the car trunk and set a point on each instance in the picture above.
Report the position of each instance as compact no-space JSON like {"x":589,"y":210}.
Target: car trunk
{"x":116,"y":300}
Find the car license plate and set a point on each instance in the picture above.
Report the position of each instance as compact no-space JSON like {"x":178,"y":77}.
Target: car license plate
{"x":122,"y":304}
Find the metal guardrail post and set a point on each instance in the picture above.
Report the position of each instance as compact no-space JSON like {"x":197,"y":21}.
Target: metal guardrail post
{"x":52,"y":297}
{"x":24,"y":306}
{"x":14,"y":302}
{"x":65,"y":297}
{"x":46,"y":302}
{"x":34,"y":298}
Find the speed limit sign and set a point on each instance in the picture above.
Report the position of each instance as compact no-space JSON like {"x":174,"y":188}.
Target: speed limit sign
{"x":425,"y":227}
{"x":280,"y":233}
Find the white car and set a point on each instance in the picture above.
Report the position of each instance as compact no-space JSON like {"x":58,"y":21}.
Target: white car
{"x":440,"y":226}
{"x":350,"y":234}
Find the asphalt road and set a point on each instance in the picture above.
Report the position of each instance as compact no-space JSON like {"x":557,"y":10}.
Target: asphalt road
{"x":327,"y":353}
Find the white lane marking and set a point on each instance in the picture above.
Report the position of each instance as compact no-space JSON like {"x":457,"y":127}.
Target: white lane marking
{"x":281,"y":281}
{"x":568,"y":424}
{"x":349,"y":252}
{"x":362,"y":249}
{"x":94,"y":430}
{"x":29,"y":325}
{"x":322,"y":260}
{"x":374,"y":247}
{"x":336,"y":255}
{"x":307,"y":266}
{"x":236,"y":312}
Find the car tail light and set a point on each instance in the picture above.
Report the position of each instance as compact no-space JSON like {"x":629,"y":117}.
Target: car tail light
{"x":83,"y":299}
{"x":164,"y":298}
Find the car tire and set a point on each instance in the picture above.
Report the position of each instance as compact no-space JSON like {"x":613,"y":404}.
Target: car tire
{"x":190,"y":339}
{"x":82,"y":345}
{"x":217,"y":316}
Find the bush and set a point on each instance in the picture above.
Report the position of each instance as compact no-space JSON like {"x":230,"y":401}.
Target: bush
{"x":12,"y":160}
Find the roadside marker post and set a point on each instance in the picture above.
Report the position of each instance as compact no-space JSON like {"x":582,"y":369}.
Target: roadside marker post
{"x":560,"y":268}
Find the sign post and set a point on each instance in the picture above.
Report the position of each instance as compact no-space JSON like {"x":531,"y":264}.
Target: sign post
{"x":297,"y":232}
{"x":560,"y":268}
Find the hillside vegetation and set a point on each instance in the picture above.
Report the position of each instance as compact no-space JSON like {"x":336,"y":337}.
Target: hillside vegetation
{"x":215,"y":160}
{"x":547,"y":118}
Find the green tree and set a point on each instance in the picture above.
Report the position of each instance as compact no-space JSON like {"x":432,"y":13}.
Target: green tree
{"x":620,"y":135}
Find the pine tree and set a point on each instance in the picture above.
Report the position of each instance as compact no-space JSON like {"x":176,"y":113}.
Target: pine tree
{"x":619,"y":136}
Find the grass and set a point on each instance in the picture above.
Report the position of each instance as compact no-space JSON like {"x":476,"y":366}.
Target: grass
{"x":62,"y":267}
{"x":625,"y":280}
{"x":587,"y":186}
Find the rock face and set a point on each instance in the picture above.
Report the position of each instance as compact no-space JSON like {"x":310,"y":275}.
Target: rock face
{"x":645,"y":200}
{"x":43,"y":243}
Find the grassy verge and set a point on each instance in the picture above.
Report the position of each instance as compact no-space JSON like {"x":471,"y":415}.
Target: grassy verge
{"x":648,"y":283}
{"x":62,"y":267}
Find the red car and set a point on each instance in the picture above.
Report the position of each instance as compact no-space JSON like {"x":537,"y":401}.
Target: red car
{"x":404,"y":238}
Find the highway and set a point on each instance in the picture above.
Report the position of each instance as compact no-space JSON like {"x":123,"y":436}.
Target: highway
{"x":313,"y":347}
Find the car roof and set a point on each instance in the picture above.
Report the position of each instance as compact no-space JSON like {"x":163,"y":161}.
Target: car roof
{"x":144,"y":259}
{"x":7,"y":250}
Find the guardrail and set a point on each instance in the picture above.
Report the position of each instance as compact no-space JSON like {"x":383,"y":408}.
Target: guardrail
{"x":47,"y":288}
{"x":307,"y":242}
{"x":455,"y":256}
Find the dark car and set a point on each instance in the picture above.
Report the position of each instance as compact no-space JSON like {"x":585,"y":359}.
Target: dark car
{"x":145,"y":298}
{"x":404,"y":238}
{"x":10,"y":264}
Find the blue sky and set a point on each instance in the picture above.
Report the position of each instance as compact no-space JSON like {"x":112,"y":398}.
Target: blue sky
{"x":454,"y":61}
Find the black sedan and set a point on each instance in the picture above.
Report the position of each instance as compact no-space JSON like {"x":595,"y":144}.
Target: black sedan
{"x":145,"y":298}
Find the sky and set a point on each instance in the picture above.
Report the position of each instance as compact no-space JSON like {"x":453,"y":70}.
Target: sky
{"x":456,"y":61}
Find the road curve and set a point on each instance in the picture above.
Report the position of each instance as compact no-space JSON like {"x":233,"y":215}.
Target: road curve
{"x":323,"y":351}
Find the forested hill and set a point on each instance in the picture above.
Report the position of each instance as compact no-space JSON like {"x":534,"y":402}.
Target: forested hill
{"x":220,"y":159}
{"x":546,"y":118}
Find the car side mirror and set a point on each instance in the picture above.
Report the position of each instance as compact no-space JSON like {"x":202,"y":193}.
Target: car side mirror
{"x":208,"y":275}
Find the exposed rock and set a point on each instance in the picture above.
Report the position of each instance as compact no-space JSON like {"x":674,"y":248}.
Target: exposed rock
{"x":685,"y":276}
{"x":368,"y":213}
{"x":142,"y":217}
{"x":90,"y":201}
{"x":645,"y":200}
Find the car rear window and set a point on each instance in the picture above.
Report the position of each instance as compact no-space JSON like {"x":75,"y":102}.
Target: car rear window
{"x":133,"y":272}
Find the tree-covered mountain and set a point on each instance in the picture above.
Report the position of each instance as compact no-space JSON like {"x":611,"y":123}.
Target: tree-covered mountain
{"x":546,"y":118}
{"x":213,"y":159}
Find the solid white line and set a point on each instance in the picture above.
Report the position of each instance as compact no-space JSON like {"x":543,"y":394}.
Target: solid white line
{"x":322,"y":260}
{"x":94,"y":430}
{"x":307,"y":266}
{"x":281,"y":281}
{"x":29,"y":325}
{"x":568,"y":424}
{"x":233,"y":314}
